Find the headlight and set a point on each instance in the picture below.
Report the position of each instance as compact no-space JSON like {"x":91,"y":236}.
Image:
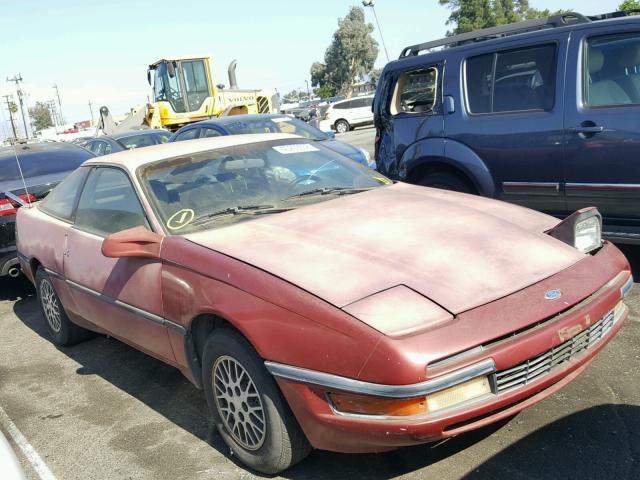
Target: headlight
{"x":582,"y":229}
{"x":587,"y":234}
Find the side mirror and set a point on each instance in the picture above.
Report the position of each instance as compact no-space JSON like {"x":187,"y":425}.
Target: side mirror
{"x":330,"y":135}
{"x":134,"y":242}
{"x":149,"y":77}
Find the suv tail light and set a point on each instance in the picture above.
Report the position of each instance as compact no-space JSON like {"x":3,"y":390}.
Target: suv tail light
{"x":7,"y":207}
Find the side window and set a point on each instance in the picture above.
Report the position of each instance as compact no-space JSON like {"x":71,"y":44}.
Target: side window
{"x":210,"y":132}
{"x":136,"y":141}
{"x":107,"y":148}
{"x":97,"y":147}
{"x":415,"y":92}
{"x":511,"y":81}
{"x":62,"y":199}
{"x":368,"y":101}
{"x":188,"y":135}
{"x":162,"y":138}
{"x":343,"y":105}
{"x":611,"y":70}
{"x":108,"y":203}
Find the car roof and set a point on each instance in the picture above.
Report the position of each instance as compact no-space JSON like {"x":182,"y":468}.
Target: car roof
{"x":236,"y":118}
{"x":133,"y":133}
{"x":38,"y":148}
{"x":132,"y":159}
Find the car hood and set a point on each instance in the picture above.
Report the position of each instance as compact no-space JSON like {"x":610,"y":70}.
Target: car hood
{"x":460,"y":251}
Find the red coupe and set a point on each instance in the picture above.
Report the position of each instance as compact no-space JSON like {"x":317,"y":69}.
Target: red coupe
{"x":317,"y":303}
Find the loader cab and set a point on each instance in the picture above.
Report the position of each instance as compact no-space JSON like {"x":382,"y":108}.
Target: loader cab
{"x":184,"y":83}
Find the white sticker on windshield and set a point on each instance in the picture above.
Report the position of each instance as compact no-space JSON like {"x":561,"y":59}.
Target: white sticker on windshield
{"x":295,"y":148}
{"x":281,"y":119}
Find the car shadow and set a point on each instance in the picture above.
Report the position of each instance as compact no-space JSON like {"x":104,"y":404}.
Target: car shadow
{"x":12,"y":289}
{"x":596,"y":443}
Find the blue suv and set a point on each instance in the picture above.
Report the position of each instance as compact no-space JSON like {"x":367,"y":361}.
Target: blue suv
{"x":543,"y":113}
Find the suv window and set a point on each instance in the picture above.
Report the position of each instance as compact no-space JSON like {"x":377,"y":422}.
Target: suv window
{"x":108,"y":203}
{"x":612,"y":70}
{"x":344,"y":105}
{"x":415,"y":92}
{"x":511,"y":81}
{"x":62,"y":199}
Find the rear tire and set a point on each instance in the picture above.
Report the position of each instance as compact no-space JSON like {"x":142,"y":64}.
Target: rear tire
{"x":247,"y":407}
{"x":62,"y":330}
{"x":342,"y":126}
{"x":446,"y":181}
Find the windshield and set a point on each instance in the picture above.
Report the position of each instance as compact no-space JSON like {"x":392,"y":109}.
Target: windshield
{"x":217,"y":187}
{"x":282,"y":124}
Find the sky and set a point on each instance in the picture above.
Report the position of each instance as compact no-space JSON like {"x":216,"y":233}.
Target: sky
{"x":98,"y":51}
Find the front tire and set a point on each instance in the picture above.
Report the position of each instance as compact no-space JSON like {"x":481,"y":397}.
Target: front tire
{"x":247,"y":407}
{"x":342,"y":126}
{"x":62,"y":330}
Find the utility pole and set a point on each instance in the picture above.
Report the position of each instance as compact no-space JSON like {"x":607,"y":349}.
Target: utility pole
{"x":9,"y":106}
{"x":91,"y":110}
{"x":17,"y":79}
{"x":55,"y":86}
{"x":371,"y":3}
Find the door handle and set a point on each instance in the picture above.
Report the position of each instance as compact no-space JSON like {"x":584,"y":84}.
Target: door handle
{"x":587,"y":129}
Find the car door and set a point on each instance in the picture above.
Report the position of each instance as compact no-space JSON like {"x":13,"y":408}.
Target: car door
{"x":121,"y":296}
{"x":511,"y":116}
{"x":602,"y":122}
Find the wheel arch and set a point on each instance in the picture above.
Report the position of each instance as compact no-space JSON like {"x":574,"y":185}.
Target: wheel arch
{"x":439,"y":154}
{"x":196,"y":337}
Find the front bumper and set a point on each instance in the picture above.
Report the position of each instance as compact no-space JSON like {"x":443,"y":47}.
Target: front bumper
{"x":564,"y":345}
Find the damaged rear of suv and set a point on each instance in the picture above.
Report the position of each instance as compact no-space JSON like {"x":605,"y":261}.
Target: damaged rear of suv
{"x":541,"y":113}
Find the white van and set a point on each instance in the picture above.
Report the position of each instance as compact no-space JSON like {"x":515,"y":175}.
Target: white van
{"x":344,"y":115}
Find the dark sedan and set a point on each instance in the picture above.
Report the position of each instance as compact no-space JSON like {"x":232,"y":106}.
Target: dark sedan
{"x":127,"y":141}
{"x":43,"y":165}
{"x":264,"y":123}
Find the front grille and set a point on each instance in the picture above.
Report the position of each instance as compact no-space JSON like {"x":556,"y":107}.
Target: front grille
{"x":536,"y":367}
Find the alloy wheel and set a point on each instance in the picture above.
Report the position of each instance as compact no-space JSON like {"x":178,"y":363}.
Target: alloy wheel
{"x":239,"y":403}
{"x":50,"y":305}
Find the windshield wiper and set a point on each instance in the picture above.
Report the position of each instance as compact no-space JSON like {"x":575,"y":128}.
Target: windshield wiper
{"x":241,"y":210}
{"x":328,"y":191}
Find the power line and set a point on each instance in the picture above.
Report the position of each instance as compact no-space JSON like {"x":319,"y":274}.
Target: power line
{"x":17,"y":79}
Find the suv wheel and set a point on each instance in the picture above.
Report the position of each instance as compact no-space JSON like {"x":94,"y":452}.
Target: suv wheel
{"x":63,"y":331}
{"x":342,"y":126}
{"x":248,"y":409}
{"x":446,"y":181}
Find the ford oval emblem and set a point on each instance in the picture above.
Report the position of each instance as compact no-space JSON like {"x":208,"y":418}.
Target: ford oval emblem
{"x":552,"y":294}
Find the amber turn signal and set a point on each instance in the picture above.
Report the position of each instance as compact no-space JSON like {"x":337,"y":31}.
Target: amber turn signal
{"x":367,"y":405}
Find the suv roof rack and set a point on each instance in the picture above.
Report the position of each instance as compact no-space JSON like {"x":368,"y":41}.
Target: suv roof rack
{"x":554,"y":21}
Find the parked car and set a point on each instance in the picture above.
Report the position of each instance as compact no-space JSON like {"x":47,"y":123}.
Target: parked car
{"x":309,"y":318}
{"x":542,"y":113}
{"x":43,"y":166}
{"x":345,"y":115}
{"x":266,"y":123}
{"x":131,"y":139}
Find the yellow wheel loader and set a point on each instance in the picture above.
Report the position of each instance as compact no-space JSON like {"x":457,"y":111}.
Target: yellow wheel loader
{"x":184,"y":92}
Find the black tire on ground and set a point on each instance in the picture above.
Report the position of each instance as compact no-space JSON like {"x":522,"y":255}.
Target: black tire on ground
{"x":446,"y":181}
{"x":342,"y":126}
{"x":253,"y":393}
{"x":63,"y":331}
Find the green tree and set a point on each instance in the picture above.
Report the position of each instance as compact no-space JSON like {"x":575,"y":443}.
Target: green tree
{"x":351,"y":55}
{"x":469,"y":15}
{"x":629,"y":5}
{"x":41,"y":116}
{"x":324,"y":91}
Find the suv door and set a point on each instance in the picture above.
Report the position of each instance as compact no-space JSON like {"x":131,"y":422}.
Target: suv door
{"x":409,"y":110}
{"x":361,"y":112}
{"x":511,"y":117}
{"x":602,"y":127}
{"x":122,"y":296}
